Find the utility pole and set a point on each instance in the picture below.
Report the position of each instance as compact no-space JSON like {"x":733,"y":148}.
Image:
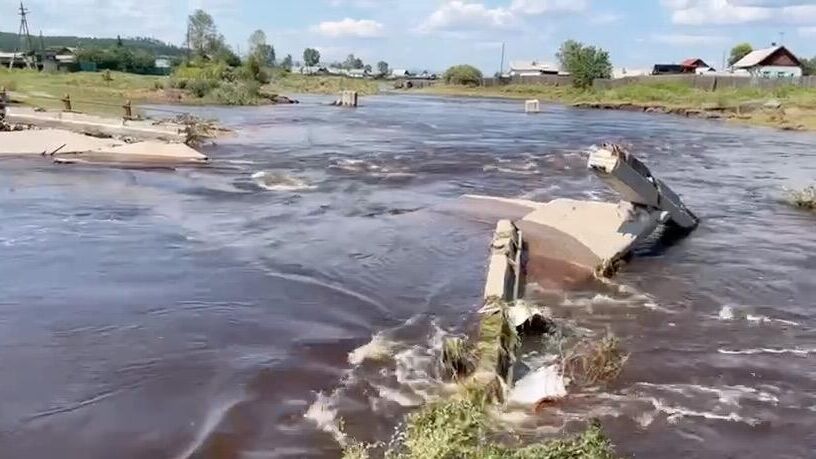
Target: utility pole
{"x":501,"y":65}
{"x":23,"y":34}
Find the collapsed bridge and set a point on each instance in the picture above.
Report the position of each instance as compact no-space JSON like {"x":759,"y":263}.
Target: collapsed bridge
{"x":558,"y":245}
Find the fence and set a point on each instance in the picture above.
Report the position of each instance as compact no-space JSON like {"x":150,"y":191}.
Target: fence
{"x":546,"y":80}
{"x":707,"y":82}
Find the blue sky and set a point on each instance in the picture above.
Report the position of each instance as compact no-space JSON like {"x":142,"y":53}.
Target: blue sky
{"x":433,"y":34}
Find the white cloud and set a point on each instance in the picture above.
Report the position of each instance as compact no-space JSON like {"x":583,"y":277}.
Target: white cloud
{"x":724,"y":12}
{"x":361,"y":28}
{"x":457,"y":15}
{"x":534,"y":7}
{"x":688,"y":40}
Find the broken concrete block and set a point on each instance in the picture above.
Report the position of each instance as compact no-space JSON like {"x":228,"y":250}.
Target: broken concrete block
{"x":502,"y":275}
{"x":532,"y":106}
{"x":50,"y":141}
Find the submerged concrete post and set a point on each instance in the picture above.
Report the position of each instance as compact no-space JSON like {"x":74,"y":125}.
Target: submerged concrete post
{"x":3,"y":96}
{"x":128,"y":110}
{"x":348,"y":99}
{"x":66,"y":100}
{"x":532,"y":106}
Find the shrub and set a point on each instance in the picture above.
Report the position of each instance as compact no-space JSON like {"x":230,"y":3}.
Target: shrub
{"x":463,"y":75}
{"x":237,"y":93}
{"x":201,"y":87}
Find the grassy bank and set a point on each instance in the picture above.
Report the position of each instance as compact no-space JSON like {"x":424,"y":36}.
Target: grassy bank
{"x":94,"y":92}
{"x":302,"y":84}
{"x":90,"y":92}
{"x":786,"y":107}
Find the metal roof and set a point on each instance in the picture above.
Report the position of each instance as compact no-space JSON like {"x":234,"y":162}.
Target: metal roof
{"x":756,"y":57}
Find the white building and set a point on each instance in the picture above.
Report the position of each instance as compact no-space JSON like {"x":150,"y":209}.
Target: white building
{"x":532,"y":68}
{"x":773,"y":62}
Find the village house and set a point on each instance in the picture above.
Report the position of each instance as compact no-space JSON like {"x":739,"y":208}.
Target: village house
{"x":691,"y":65}
{"x":773,"y":62}
{"x":532,"y":68}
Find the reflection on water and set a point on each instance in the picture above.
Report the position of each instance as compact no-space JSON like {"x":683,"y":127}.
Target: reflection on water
{"x":211,"y":313}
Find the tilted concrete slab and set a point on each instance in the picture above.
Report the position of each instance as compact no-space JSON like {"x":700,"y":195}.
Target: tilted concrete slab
{"x":97,"y":125}
{"x":73,"y":148}
{"x":142,"y":154}
{"x":50,"y":141}
{"x":606,"y":230}
{"x":634,"y":182}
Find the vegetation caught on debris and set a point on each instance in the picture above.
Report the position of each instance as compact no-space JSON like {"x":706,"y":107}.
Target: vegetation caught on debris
{"x":460,"y":428}
{"x":591,"y":363}
{"x":804,"y":198}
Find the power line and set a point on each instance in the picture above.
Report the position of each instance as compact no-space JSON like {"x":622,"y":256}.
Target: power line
{"x":23,"y":34}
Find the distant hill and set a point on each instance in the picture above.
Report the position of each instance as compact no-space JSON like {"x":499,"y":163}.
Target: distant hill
{"x":9,"y":42}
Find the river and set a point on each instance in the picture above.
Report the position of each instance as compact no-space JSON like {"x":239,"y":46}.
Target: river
{"x":210,"y":312}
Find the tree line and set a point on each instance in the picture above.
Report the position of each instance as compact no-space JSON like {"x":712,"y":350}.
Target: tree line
{"x":584,"y":63}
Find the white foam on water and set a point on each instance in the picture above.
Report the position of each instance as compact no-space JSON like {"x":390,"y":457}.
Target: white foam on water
{"x":275,"y":181}
{"x":727,"y":395}
{"x":675,"y":413}
{"x":799,"y":352}
{"x":399,"y":397}
{"x":324,"y":414}
{"x":379,"y":348}
{"x":546,"y":383}
{"x":729,"y":313}
{"x":528,"y":168}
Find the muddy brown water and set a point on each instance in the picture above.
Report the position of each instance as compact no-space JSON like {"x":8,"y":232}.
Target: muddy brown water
{"x":210,"y":313}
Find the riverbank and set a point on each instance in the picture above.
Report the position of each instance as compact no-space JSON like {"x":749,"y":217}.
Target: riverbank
{"x":104,"y":93}
{"x":789,"y":108}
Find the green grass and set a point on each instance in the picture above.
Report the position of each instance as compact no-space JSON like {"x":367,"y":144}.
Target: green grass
{"x":460,"y":428}
{"x":92,"y":93}
{"x":739,"y":104}
{"x":89,"y":91}
{"x":289,"y":83}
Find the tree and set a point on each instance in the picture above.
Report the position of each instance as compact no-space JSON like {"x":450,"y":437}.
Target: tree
{"x":352,"y":62}
{"x":118,"y":40}
{"x":367,"y":68}
{"x":311,"y":57}
{"x":463,"y":75}
{"x":202,"y":34}
{"x":739,"y":51}
{"x":259,"y":48}
{"x":584,"y":63}
{"x":382,"y":67}
{"x":809,"y":66}
{"x":287,"y":63}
